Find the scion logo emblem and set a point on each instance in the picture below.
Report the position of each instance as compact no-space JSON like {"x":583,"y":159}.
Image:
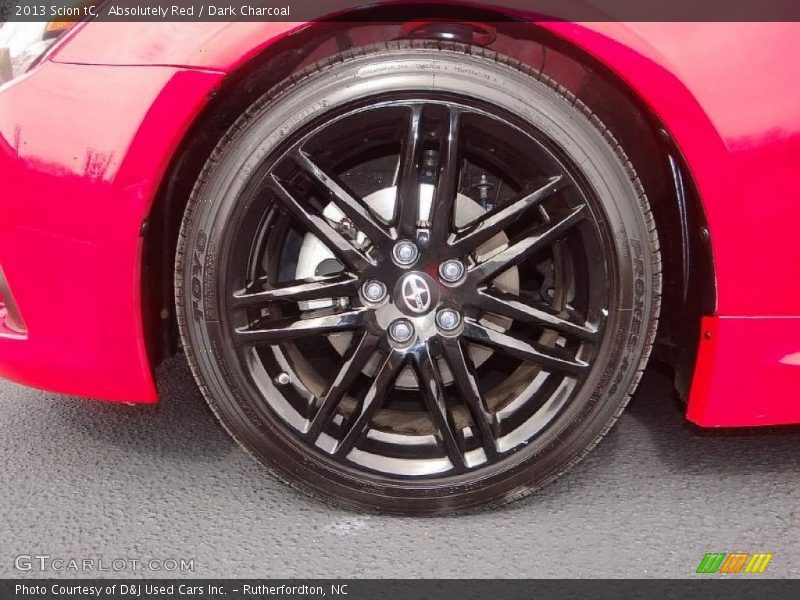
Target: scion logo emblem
{"x":416,"y":294}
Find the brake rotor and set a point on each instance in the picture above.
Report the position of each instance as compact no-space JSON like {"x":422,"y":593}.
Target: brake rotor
{"x":315,"y":259}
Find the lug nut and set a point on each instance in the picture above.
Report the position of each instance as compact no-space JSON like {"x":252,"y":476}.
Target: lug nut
{"x":374,"y":290}
{"x":447,"y":319}
{"x":401,"y":330}
{"x":405,"y":253}
{"x":451,"y":271}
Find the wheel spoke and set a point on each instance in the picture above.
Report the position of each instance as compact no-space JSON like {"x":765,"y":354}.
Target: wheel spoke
{"x":317,"y":225}
{"x":354,"y":210}
{"x":444,"y":197}
{"x":511,"y":306}
{"x":499,"y":219}
{"x":358,"y":423}
{"x":467,"y":386}
{"x":433,"y":392}
{"x":318,"y":288}
{"x":550,"y":358}
{"x":513,"y":255}
{"x":361,"y":350}
{"x":273,"y":332}
{"x":408,"y":189}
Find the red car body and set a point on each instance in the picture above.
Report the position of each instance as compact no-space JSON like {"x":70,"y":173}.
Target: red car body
{"x":88,"y":136}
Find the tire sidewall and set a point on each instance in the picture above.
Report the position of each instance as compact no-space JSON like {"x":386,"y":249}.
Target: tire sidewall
{"x":265,"y":126}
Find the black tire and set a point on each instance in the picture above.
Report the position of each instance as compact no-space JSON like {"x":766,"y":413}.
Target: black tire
{"x":620,"y":212}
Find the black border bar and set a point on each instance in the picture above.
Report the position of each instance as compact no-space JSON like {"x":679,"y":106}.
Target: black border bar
{"x":375,"y":589}
{"x":402,"y":10}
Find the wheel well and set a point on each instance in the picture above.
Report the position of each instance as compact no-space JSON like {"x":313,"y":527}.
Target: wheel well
{"x":676,"y":205}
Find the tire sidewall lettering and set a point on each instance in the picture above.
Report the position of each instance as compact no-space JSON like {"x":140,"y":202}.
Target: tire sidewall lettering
{"x":216,"y":204}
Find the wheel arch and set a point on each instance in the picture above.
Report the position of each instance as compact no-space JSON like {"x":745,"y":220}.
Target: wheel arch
{"x":657,"y":157}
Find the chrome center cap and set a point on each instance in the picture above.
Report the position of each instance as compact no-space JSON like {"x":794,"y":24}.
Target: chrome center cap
{"x":414,"y":294}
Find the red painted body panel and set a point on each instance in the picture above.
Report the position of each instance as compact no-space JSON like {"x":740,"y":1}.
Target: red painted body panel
{"x":724,"y":92}
{"x":733,"y":107}
{"x":724,"y":391}
{"x":82,"y":151}
{"x":218,"y":46}
{"x":734,"y":111}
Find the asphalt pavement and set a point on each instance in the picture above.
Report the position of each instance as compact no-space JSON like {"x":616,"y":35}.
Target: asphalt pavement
{"x":81,"y":479}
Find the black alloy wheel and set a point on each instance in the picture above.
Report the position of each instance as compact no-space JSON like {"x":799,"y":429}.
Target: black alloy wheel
{"x":418,"y":279}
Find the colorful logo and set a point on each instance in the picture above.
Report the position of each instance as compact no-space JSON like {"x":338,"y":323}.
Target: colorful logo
{"x":734,"y":562}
